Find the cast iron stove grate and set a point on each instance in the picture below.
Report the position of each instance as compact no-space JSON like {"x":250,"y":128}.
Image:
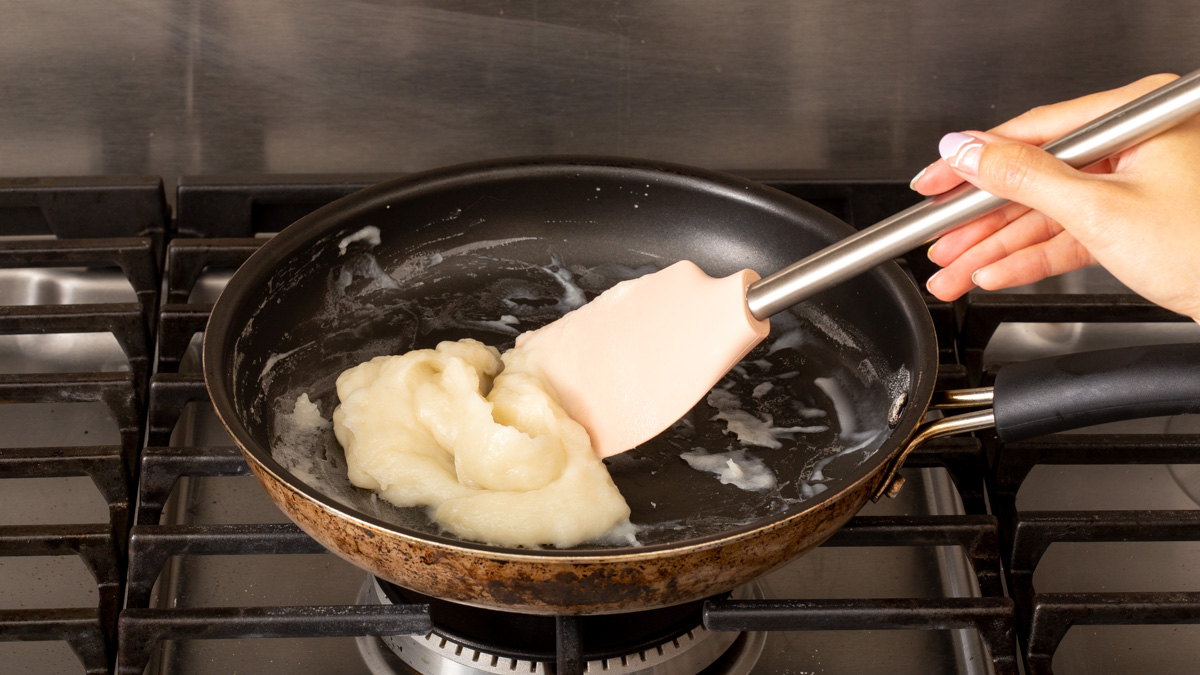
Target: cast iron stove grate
{"x":78,"y":224}
{"x":224,"y":217}
{"x":218,"y":221}
{"x":1043,"y":619}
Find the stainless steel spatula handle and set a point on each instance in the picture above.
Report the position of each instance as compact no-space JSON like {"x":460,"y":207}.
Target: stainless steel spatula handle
{"x":1122,"y":128}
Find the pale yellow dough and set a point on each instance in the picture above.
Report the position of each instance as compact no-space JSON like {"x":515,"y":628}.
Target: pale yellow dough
{"x":480,"y":439}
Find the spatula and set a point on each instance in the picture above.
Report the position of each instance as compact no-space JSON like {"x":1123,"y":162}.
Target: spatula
{"x":633,"y":361}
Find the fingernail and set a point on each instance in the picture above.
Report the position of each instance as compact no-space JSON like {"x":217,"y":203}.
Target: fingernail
{"x":929,"y":252}
{"x":975,"y":277}
{"x":929,"y":281}
{"x":961,"y":151}
{"x":912,"y":184}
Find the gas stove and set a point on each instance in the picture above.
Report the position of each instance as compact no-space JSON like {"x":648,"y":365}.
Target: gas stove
{"x":134,"y":539}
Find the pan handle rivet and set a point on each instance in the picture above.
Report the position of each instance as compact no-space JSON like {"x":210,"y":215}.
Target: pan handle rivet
{"x":894,"y":487}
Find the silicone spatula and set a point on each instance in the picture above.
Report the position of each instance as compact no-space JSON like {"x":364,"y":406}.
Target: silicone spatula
{"x":634,"y":360}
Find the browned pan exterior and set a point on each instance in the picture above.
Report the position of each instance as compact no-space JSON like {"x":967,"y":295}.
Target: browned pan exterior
{"x":565,"y":584}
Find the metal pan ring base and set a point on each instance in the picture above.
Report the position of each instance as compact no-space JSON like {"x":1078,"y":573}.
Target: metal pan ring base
{"x":692,"y":651}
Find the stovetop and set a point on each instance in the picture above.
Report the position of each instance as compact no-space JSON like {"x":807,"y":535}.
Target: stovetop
{"x":134,"y":540}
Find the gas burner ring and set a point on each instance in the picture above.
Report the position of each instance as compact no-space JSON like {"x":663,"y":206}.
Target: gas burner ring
{"x":437,"y":654}
{"x":694,"y":651}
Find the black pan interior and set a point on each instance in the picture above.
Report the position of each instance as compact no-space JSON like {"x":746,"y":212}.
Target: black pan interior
{"x":489,"y":251}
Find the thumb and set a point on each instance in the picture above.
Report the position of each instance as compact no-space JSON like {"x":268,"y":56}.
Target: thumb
{"x":1019,"y":172}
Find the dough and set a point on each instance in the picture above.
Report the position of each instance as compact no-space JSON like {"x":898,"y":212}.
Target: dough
{"x":480,"y":439}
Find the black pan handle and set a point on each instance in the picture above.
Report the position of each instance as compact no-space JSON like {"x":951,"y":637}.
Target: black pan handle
{"x":1079,"y":390}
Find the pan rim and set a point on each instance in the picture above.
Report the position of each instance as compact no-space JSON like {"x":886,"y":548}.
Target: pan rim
{"x":304,"y":231}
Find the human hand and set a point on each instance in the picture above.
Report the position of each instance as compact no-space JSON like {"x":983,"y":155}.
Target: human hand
{"x":1137,"y":213}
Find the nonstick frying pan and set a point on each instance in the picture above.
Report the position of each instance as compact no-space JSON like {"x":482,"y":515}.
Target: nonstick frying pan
{"x":826,"y":405}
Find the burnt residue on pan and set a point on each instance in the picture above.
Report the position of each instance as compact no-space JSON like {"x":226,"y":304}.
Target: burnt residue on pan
{"x":564,"y":584}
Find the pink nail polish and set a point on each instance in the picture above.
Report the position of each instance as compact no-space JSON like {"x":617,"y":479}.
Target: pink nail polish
{"x":961,"y":151}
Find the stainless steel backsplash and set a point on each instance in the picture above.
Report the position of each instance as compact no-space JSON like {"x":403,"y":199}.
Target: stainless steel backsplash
{"x":831,"y":87}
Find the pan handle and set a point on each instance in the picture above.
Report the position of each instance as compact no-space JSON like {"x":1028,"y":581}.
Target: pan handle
{"x":1079,"y":390}
{"x":1060,"y":393}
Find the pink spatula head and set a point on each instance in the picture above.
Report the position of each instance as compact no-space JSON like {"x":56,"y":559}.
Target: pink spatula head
{"x":634,"y":360}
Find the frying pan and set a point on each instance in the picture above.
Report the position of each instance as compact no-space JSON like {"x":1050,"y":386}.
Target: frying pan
{"x":827,"y":404}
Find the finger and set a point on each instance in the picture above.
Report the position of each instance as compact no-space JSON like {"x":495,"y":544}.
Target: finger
{"x":935,"y":179}
{"x":951,"y":245}
{"x":1043,"y":124}
{"x":949,"y":283}
{"x":1030,"y":230}
{"x":940,"y":177}
{"x":958,"y":276}
{"x":1028,"y":175}
{"x":1063,"y":253}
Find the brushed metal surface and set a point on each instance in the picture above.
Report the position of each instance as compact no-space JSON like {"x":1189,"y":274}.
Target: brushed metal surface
{"x":858,"y":88}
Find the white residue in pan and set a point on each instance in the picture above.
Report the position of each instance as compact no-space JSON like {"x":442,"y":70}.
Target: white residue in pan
{"x":867,"y":372}
{"x":749,"y":428}
{"x":674,"y":530}
{"x":528,"y":295}
{"x":623,"y":533}
{"x":412,"y":268}
{"x":898,"y":383}
{"x":266,"y":376}
{"x":830,"y":326}
{"x":811,"y":413}
{"x":369,"y":234}
{"x":790,"y":338}
{"x":849,"y":399}
{"x":842,"y":407}
{"x":415,"y":266}
{"x":363,"y":267}
{"x":810,"y":490}
{"x":505,"y":324}
{"x":853,"y":438}
{"x":453,"y":215}
{"x":645,"y":254}
{"x":608,"y":274}
{"x":861,"y":441}
{"x":523,"y":296}
{"x":573,"y":296}
{"x":475,"y":247}
{"x":296,"y":437}
{"x":734,"y":467}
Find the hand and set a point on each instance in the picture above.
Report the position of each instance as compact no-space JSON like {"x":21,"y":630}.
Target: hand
{"x":1137,"y":213}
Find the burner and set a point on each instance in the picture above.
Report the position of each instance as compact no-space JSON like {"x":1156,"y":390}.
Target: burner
{"x":467,"y":640}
